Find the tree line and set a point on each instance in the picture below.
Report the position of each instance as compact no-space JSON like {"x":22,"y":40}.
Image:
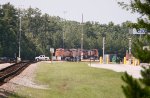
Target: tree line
{"x":41,"y":31}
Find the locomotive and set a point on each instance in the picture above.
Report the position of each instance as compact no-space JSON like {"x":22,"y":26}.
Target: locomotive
{"x":75,"y":54}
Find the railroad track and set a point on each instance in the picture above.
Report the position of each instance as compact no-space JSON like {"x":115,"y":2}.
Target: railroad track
{"x":9,"y":72}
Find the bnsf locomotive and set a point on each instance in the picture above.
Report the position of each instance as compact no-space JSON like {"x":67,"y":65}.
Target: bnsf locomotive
{"x":75,"y":54}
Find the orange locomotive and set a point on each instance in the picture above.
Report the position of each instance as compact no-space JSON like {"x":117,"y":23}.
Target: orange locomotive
{"x":75,"y":54}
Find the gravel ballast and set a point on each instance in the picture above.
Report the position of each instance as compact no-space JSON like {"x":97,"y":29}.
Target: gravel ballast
{"x":23,"y":79}
{"x":4,"y":65}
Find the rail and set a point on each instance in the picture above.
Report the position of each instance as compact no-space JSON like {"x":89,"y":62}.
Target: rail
{"x":9,"y":72}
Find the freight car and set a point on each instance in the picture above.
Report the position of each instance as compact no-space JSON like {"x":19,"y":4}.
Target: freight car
{"x":75,"y":54}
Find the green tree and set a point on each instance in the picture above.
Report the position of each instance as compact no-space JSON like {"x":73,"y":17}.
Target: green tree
{"x":42,"y":31}
{"x":8,"y":30}
{"x":139,"y":88}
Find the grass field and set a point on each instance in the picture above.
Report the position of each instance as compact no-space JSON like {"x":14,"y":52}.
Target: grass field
{"x":74,"y":80}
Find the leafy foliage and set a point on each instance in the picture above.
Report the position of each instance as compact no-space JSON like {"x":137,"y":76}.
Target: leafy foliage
{"x":8,"y":30}
{"x":42,"y":31}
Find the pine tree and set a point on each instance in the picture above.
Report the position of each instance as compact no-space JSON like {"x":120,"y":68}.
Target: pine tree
{"x":139,"y":88}
{"x":146,"y":76}
{"x":133,"y":88}
{"x":139,"y":52}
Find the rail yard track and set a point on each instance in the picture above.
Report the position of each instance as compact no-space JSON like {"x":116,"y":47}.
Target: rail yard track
{"x":9,"y":72}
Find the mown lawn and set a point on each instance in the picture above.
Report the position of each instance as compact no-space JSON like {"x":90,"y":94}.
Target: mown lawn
{"x":74,"y":80}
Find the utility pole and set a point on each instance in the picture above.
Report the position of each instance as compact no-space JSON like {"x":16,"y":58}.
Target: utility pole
{"x":103,"y":48}
{"x":130,"y":32}
{"x":19,"y":58}
{"x":82,"y":39}
{"x":64,"y":30}
{"x":130,"y":50}
{"x":63,"y":37}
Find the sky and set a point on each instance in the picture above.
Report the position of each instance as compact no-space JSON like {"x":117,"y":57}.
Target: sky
{"x":102,"y":11}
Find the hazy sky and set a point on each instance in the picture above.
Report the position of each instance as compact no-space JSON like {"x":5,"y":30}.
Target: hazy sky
{"x":102,"y":11}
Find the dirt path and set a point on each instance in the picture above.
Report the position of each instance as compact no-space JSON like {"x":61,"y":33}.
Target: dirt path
{"x":130,"y":69}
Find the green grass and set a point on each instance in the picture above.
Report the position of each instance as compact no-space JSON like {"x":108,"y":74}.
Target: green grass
{"x":74,"y":80}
